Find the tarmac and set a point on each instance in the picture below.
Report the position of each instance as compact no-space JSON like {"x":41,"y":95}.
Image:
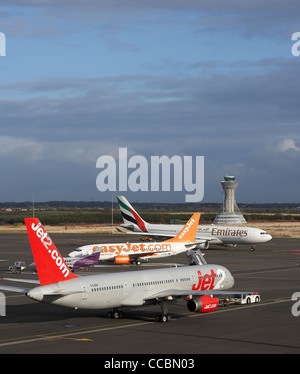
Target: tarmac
{"x":267,"y":327}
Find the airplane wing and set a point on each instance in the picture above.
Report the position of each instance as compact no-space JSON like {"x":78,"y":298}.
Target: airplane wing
{"x":173,"y":294}
{"x":145,"y":233}
{"x":195,"y":244}
{"x":154,"y":234}
{"x":135,"y":256}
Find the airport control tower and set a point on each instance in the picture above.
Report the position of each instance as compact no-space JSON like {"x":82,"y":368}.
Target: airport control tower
{"x":231,"y":213}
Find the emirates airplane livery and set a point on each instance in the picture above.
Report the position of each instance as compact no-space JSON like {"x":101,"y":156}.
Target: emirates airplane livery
{"x":126,"y":253}
{"x":206,"y":234}
{"x":200,"y":285}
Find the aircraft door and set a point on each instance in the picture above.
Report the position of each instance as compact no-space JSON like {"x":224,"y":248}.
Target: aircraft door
{"x":251,"y":236}
{"x":84,"y":291}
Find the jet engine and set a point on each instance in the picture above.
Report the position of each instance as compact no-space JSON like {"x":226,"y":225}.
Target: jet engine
{"x":203,"y":245}
{"x":203,"y":304}
{"x":118,"y":260}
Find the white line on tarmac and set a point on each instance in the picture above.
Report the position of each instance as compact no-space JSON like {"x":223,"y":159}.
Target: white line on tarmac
{"x":120,"y":325}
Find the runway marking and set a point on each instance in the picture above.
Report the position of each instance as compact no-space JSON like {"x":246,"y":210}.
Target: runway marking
{"x":68,"y":335}
{"x":49,"y":337}
{"x":296,"y":267}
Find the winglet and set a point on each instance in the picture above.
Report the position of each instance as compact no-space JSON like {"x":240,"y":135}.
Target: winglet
{"x":50,"y":265}
{"x":188,"y":233}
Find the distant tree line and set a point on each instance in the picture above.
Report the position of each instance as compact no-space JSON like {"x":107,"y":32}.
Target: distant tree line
{"x":105,"y":217}
{"x":154,"y":207}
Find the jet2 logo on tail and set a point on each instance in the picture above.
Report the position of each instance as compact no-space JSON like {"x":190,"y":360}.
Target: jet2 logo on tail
{"x":47,"y":243}
{"x":40,"y":233}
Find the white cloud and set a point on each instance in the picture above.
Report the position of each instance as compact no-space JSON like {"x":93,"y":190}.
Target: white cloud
{"x":287,"y":144}
{"x":16,"y":147}
{"x":77,"y":152}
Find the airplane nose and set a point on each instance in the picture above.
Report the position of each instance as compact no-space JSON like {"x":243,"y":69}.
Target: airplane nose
{"x":268,"y":237}
{"x":232,"y":281}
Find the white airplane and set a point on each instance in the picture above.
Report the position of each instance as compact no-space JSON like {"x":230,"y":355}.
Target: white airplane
{"x":126,"y":253}
{"x":206,"y":234}
{"x":59,"y":286}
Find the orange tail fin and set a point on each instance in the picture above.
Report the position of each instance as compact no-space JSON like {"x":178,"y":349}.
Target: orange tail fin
{"x":188,"y":233}
{"x":50,"y":265}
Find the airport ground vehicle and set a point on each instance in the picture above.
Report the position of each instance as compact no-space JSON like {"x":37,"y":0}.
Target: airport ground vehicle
{"x":250,"y":298}
{"x":18,"y":267}
{"x":253,"y":297}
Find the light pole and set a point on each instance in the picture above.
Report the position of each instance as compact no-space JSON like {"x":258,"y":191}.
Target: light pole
{"x":112,"y":213}
{"x":32,"y":205}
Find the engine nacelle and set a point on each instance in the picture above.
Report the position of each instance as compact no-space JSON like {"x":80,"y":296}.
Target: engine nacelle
{"x":204,"y":245}
{"x":204,"y":304}
{"x":119,"y":260}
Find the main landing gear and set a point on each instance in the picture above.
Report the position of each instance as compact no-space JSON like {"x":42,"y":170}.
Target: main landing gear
{"x":164,"y":316}
{"x":115,"y":314}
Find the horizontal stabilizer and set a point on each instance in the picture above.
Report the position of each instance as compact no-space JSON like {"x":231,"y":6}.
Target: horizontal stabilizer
{"x":22,"y":280}
{"x":14,"y":289}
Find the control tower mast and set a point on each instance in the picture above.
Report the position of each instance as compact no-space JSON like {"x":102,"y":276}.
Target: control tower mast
{"x":231,"y":212}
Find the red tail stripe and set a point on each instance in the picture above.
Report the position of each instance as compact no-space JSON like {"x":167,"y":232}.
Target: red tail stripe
{"x":50,"y":265}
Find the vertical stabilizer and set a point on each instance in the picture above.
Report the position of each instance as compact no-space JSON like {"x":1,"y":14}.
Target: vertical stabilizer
{"x":188,"y":233}
{"x":130,"y":217}
{"x":50,"y":265}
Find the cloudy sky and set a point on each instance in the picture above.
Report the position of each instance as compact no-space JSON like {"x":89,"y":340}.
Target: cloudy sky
{"x":82,"y":79}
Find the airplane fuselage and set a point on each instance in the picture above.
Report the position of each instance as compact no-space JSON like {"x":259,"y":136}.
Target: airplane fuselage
{"x":211,"y":234}
{"x":110,"y":251}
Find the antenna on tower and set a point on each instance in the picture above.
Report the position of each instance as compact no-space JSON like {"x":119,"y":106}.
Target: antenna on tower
{"x":231,"y":212}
